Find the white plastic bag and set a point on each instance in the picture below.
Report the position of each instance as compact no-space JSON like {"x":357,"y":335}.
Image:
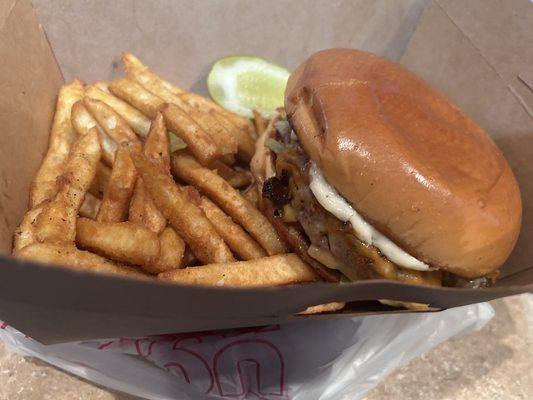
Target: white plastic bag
{"x":334,"y":358}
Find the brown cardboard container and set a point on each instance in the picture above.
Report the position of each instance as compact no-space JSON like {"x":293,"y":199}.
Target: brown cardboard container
{"x":479,"y":52}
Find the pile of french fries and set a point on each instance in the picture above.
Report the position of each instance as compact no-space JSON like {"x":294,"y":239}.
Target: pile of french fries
{"x":145,"y":179}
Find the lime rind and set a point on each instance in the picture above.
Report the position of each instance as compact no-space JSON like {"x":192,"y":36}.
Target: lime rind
{"x":242,"y":84}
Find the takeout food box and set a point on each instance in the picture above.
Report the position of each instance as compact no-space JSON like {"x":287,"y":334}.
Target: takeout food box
{"x":469,"y":50}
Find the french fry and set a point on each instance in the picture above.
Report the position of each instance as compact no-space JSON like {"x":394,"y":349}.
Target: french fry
{"x":25,"y":232}
{"x":100,"y":181}
{"x":238,"y":126}
{"x":323,"y":308}
{"x":198,"y":141}
{"x":136,"y":95}
{"x":237,"y":239}
{"x":142,"y":208}
{"x":90,"y":206}
{"x":119,"y":190}
{"x":133,"y":65}
{"x":102,"y":85}
{"x":62,"y":136}
{"x":171,"y":253}
{"x":67,"y":255}
{"x":57,"y":222}
{"x":235,"y":178}
{"x":137,"y":71}
{"x":156,"y":147}
{"x":276,"y":270}
{"x":120,"y":241}
{"x":83,"y":121}
{"x":245,"y":142}
{"x":139,"y":122}
{"x":259,"y":122}
{"x":207,"y":105}
{"x":112,"y":123}
{"x":251,"y":193}
{"x":184,"y":216}
{"x":230,"y":200}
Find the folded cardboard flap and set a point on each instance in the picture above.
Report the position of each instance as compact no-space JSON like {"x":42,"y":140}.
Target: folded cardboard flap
{"x":54,"y":304}
{"x":63,"y":305}
{"x":29,"y":84}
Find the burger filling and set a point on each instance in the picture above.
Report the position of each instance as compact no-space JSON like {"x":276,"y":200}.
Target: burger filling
{"x":323,"y":227}
{"x":328,"y":198}
{"x":320,"y":223}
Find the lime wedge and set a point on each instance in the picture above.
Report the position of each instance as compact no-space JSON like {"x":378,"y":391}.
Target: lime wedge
{"x":242,"y":84}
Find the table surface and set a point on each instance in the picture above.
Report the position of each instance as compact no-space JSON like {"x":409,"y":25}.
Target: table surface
{"x":494,"y":363}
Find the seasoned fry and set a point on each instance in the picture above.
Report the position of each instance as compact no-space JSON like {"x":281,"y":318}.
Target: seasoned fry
{"x":121,"y":241}
{"x":114,"y":126}
{"x":237,"y":239}
{"x":251,"y":193}
{"x":235,"y":178}
{"x":90,"y":206}
{"x":106,"y":185}
{"x":235,"y":124}
{"x":67,"y":255}
{"x":83,"y":121}
{"x":136,"y":95}
{"x":62,"y":136}
{"x":156,"y":148}
{"x":245,"y":142}
{"x":198,"y":141}
{"x":25,"y":232}
{"x":57,"y":221}
{"x":207,"y":105}
{"x":171,"y":253}
{"x":267,"y":271}
{"x":137,"y":71}
{"x":259,"y":122}
{"x":102,"y":85}
{"x":133,"y":65}
{"x":100,"y":181}
{"x":184,"y":216}
{"x":117,"y":195}
{"x":229,"y":199}
{"x":135,"y":119}
{"x":142,"y":208}
{"x":322,"y":308}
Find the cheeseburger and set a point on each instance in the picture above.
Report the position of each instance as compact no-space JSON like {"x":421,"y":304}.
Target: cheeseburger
{"x":377,"y":175}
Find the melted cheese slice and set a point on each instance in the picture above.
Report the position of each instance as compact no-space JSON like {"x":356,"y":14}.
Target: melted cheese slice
{"x":328,"y":198}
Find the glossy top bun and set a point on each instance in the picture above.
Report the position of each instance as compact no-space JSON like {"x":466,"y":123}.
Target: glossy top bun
{"x":408,"y":160}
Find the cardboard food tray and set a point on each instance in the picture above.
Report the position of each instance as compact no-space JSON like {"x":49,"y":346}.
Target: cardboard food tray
{"x":467,"y":49}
